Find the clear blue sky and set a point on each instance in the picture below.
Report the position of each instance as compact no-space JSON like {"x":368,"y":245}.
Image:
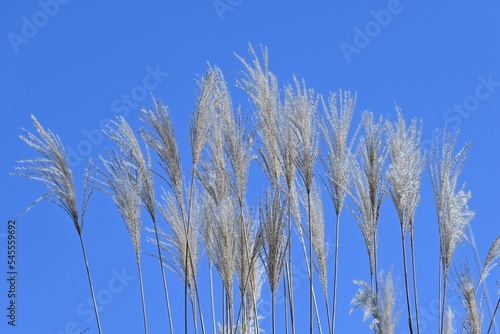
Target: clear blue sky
{"x":74,"y":64}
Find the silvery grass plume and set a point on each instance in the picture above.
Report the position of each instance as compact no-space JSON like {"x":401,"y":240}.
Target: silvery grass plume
{"x":335,"y":128}
{"x":52,"y":169}
{"x":122,"y":181}
{"x":368,"y":183}
{"x":262,"y":87}
{"x":272,"y":229}
{"x":160,"y":135}
{"x":123,"y":135}
{"x":305,"y":104}
{"x":472,"y":323}
{"x":406,"y":165}
{"x":490,"y":262}
{"x":381,"y":306}
{"x":451,"y":205}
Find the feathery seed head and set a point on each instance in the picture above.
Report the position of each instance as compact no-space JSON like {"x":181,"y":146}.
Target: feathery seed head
{"x":368,"y":181}
{"x":160,"y":135}
{"x":452,"y":209}
{"x":491,"y":260}
{"x":122,"y":134}
{"x":306,"y":106}
{"x":52,"y":169}
{"x":335,"y":130}
{"x":272,"y":229}
{"x":473,"y":321}
{"x":121,"y":180}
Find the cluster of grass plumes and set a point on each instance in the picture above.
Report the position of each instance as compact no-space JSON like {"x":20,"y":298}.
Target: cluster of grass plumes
{"x":306,"y":148}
